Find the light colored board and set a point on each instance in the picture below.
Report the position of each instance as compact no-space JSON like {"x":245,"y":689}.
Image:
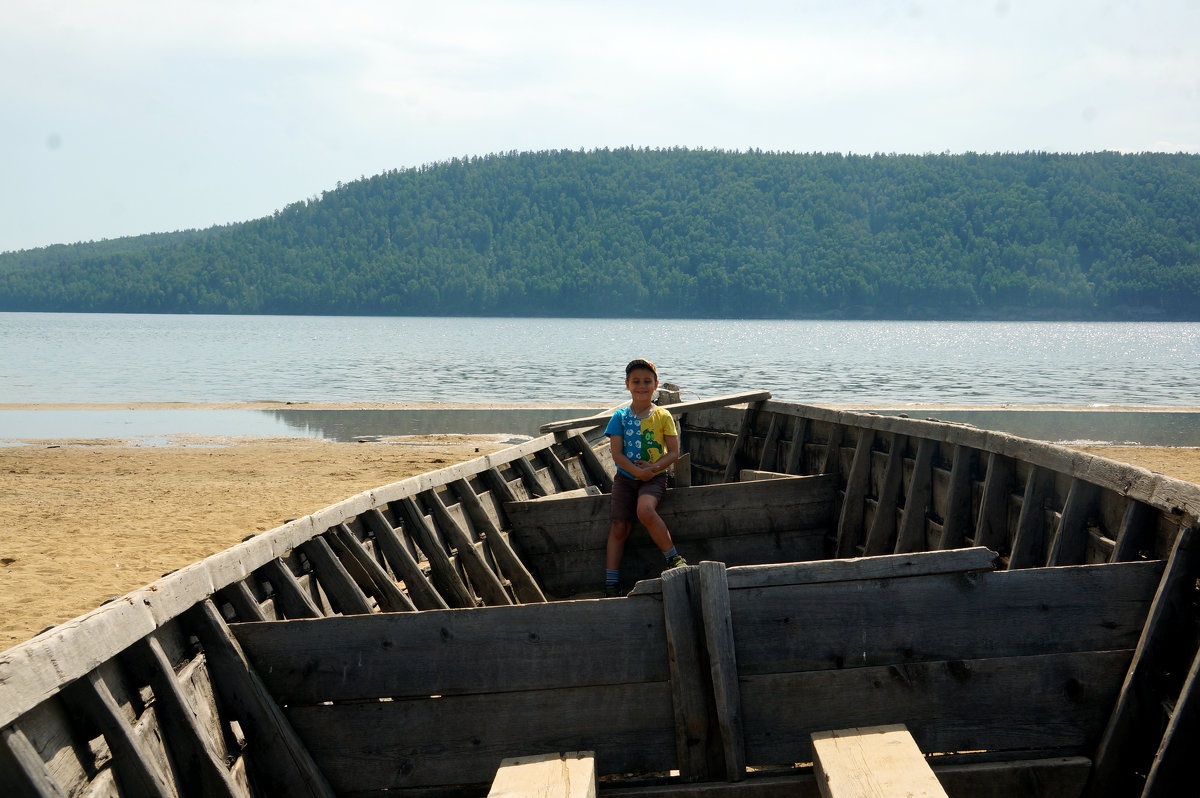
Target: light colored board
{"x":676,"y":409}
{"x":722,"y":660}
{"x":449,"y":652}
{"x":872,"y":762}
{"x":998,"y":704}
{"x":460,"y":739}
{"x":569,"y":775}
{"x":886,"y":621}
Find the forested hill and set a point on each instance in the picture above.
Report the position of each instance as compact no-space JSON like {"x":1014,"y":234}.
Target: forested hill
{"x":683,"y":233}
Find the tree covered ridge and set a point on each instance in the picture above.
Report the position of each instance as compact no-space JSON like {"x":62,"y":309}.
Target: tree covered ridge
{"x":683,"y":233}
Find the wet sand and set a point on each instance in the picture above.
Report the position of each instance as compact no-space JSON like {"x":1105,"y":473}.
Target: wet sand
{"x":84,"y":521}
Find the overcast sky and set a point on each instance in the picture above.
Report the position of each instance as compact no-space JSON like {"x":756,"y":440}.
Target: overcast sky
{"x":124,"y":117}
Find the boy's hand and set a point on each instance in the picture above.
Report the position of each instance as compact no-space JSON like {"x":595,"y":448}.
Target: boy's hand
{"x":645,"y":471}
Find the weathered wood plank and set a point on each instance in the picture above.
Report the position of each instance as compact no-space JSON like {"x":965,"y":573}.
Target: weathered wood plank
{"x":912,"y":523}
{"x":850,"y":522}
{"x":872,"y":762}
{"x":389,"y":595}
{"x":690,"y":681}
{"x":1070,"y":541}
{"x":278,"y":755}
{"x":345,"y":595}
{"x":424,"y":595}
{"x":569,"y":775}
{"x":722,"y":660}
{"x":449,"y":652}
{"x":23,"y":769}
{"x":564,"y":477}
{"x":1174,"y":764}
{"x":1127,"y":747}
{"x":733,"y":463}
{"x":997,"y":704}
{"x":991,"y":530}
{"x":881,"y":538}
{"x":525,"y":587}
{"x":1029,"y":544}
{"x":886,"y":621}
{"x":599,"y":475}
{"x":883,"y":567}
{"x":460,"y":739}
{"x":831,"y":460}
{"x":795,"y":458}
{"x":243,"y":601}
{"x":676,"y":410}
{"x":288,"y":592}
{"x":1134,"y":531}
{"x":483,"y":579}
{"x":443,"y":573}
{"x":530,"y":477}
{"x":770,"y":451}
{"x":957,"y":517}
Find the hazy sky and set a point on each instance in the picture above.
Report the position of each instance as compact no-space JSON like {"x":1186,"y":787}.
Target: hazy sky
{"x":123,"y":117}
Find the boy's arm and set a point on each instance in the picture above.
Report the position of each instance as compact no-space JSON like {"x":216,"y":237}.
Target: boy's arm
{"x":664,"y":462}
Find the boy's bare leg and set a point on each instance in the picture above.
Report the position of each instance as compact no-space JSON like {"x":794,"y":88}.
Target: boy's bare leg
{"x":647,"y":512}
{"x":618,"y":533}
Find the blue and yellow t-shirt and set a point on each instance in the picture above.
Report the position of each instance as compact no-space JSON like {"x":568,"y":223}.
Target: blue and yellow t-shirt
{"x":642,"y":438}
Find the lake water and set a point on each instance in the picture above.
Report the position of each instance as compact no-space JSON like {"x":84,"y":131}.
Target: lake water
{"x":112,"y":358}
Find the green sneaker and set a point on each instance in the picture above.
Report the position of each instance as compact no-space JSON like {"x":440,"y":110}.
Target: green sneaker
{"x":612,"y":591}
{"x":676,"y":562}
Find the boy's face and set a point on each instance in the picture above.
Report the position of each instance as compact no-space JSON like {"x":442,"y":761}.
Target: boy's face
{"x":641,"y":384}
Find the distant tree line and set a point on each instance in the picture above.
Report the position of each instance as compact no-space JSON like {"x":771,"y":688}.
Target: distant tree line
{"x":678,"y":233}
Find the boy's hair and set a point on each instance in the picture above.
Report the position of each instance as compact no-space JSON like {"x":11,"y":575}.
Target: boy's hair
{"x":640,"y":363}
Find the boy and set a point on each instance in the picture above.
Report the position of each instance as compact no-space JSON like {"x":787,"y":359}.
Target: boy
{"x":644,"y":442}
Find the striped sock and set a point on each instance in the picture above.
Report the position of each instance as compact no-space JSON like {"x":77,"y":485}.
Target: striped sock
{"x":667,"y":555}
{"x":611,"y":576}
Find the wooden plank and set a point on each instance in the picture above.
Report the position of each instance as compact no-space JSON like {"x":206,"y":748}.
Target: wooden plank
{"x":564,"y":477}
{"x":676,"y":409}
{"x":459,"y":739}
{"x":443,"y":573}
{"x":886,"y":566}
{"x":569,"y":775}
{"x":872,"y":762}
{"x":1136,"y":523}
{"x":1173,"y":764}
{"x":525,"y":587}
{"x":243,"y":601}
{"x":991,"y":530}
{"x":295,"y":602}
{"x":850,"y":522}
{"x":447,"y":652}
{"x":831,"y":462}
{"x":189,"y":742}
{"x":912,"y":523}
{"x":733,"y":463}
{"x":531,"y":479}
{"x":722,"y":659}
{"x":599,"y":475}
{"x":1131,"y":737}
{"x":690,"y":680}
{"x":682,"y":469}
{"x":23,"y":768}
{"x":770,"y":450}
{"x":276,"y":752}
{"x":957,"y":517}
{"x":1029,"y":544}
{"x":138,"y":770}
{"x":998,"y":704}
{"x":389,"y":595}
{"x":795,"y":459}
{"x":483,"y":579}
{"x":886,"y":621}
{"x":881,"y":538}
{"x":1070,"y":540}
{"x":344,"y":594}
{"x":423,"y":594}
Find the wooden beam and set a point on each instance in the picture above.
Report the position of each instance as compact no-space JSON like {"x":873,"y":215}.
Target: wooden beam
{"x":722,"y":659}
{"x":1136,"y":523}
{"x":881,"y":538}
{"x":288,"y":592}
{"x":1070,"y":539}
{"x":850,"y":522}
{"x":389,"y":595}
{"x":690,"y":680}
{"x":733,"y":464}
{"x":770,"y":450}
{"x":795,"y":459}
{"x":277,"y":754}
{"x":1029,"y":544}
{"x":912,"y":523}
{"x":345,"y":595}
{"x":424,"y":595}
{"x":481,"y":575}
{"x":23,"y":768}
{"x":991,"y":530}
{"x":569,"y":775}
{"x":525,"y":587}
{"x":831,"y":463}
{"x":443,"y":573}
{"x":1173,"y":764}
{"x":676,"y":410}
{"x":559,"y":469}
{"x":957,"y":518}
{"x":243,"y":601}
{"x":591,"y":463}
{"x":533,"y":482}
{"x":872,"y":762}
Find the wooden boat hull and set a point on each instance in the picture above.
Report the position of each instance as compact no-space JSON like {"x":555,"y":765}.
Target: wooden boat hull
{"x":1086,"y":688}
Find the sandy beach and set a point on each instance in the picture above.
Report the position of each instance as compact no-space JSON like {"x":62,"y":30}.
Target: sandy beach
{"x":82,"y":521}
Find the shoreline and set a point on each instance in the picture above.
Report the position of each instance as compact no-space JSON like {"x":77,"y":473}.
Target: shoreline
{"x":283,"y":405}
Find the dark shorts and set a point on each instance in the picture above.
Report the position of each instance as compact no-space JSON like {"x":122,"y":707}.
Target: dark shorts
{"x":626,"y":491}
